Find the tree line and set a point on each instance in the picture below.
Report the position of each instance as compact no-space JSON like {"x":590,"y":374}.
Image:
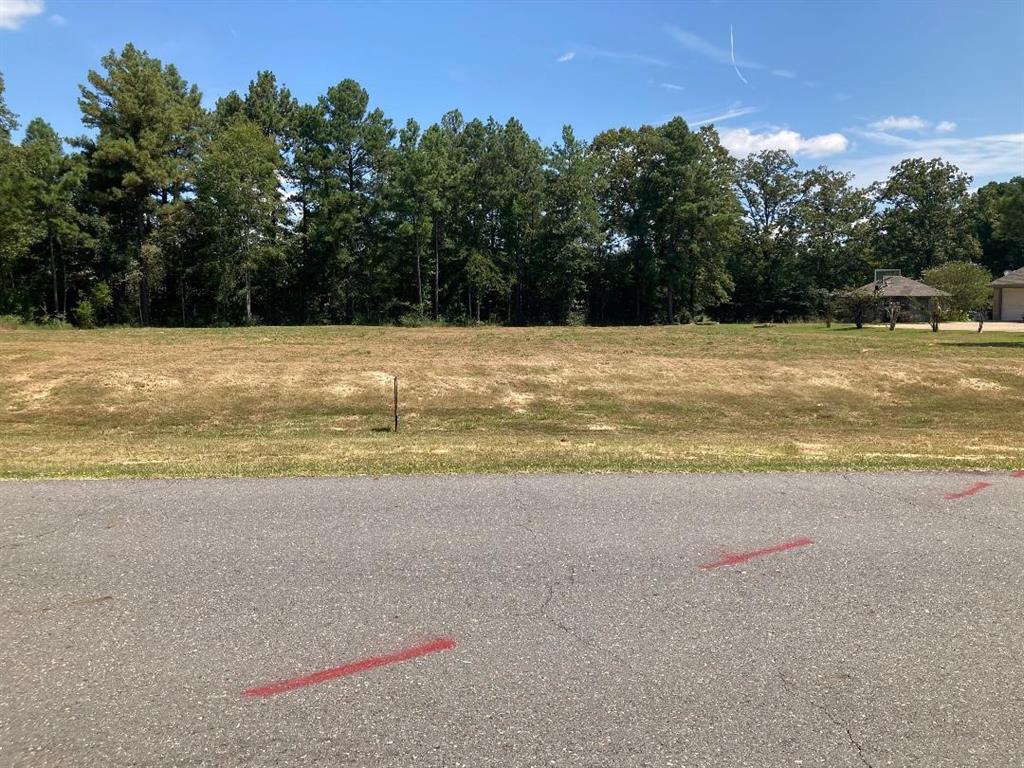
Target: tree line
{"x":265,"y":209}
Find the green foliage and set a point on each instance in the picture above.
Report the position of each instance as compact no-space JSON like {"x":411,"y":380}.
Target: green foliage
{"x":323,"y":212}
{"x":94,"y":306}
{"x":147,"y":121}
{"x":969,"y":285}
{"x":927,"y":217}
{"x":767,"y":263}
{"x":238,"y":209}
{"x":85,"y":314}
{"x":8,"y":120}
{"x":670,"y":218}
{"x":833,"y":223}
{"x":11,"y":322}
{"x":999,"y":224}
{"x":858,"y":307}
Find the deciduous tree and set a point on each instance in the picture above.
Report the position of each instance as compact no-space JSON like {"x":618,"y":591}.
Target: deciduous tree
{"x":925,"y":217}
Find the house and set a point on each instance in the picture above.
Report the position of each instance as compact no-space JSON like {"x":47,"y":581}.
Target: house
{"x":1008,"y":297}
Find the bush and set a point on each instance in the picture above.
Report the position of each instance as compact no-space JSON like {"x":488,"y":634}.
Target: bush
{"x":91,"y":309}
{"x":85,"y":314}
{"x":102,"y":298}
{"x":577,"y":315}
{"x":858,"y":308}
{"x":968,"y":285}
{"x":413,"y":319}
{"x":11,"y":322}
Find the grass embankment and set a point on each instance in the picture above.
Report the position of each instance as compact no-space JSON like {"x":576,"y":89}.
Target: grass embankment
{"x":316,"y":401}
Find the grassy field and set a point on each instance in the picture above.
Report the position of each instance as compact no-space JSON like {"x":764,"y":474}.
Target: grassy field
{"x":314,"y":401}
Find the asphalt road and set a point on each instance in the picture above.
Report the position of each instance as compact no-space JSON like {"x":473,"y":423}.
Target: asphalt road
{"x":587,"y":632}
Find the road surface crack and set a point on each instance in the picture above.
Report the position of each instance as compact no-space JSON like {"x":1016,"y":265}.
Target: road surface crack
{"x":886,"y":494}
{"x":832,"y":718}
{"x":560,"y":588}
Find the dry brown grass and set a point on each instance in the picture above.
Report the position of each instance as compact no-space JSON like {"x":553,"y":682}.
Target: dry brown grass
{"x":271,"y":401}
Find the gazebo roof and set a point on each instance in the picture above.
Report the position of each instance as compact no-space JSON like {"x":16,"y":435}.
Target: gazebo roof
{"x":1013,"y":279}
{"x":896,"y":287}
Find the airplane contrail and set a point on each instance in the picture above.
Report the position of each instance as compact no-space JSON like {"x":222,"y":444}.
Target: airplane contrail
{"x":732,"y":51}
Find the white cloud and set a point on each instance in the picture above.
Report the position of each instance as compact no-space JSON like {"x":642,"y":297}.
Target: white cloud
{"x":983,"y":157}
{"x":567,"y":56}
{"x":57,"y":20}
{"x":671,"y":86}
{"x":742,"y":142}
{"x":708,"y":50}
{"x":14,"y":12}
{"x":946,"y":126}
{"x":786,"y":73}
{"x":893,"y":123}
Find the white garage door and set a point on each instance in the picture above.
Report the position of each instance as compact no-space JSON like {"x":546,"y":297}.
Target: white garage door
{"x":1013,"y":304}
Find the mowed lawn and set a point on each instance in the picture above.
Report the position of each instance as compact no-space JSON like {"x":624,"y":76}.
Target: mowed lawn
{"x":317,"y":400}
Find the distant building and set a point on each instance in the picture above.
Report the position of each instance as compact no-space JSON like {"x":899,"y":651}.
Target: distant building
{"x":1008,"y":297}
{"x":897,"y":287}
{"x":904,"y":298}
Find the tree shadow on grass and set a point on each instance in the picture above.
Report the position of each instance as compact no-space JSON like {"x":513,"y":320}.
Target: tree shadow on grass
{"x":1006,"y":344}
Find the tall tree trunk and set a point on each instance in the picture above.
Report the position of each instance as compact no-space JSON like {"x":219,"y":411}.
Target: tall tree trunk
{"x":248,"y":297}
{"x":519,"y":289}
{"x":64,"y":283}
{"x":53,"y":274}
{"x":144,"y":267}
{"x":437,"y":269}
{"x":671,"y":307}
{"x":419,"y":274}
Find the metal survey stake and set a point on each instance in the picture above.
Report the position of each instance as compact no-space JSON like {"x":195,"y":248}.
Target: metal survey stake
{"x":396,"y":403}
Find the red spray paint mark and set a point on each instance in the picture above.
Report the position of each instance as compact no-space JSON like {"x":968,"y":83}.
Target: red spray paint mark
{"x":353,"y":667}
{"x":976,"y":488}
{"x":1018,"y":473}
{"x":736,"y":558}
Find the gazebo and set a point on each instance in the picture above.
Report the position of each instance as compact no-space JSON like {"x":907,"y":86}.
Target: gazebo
{"x":899,"y":292}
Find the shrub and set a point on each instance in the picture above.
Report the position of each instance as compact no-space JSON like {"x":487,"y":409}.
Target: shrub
{"x":577,"y":315}
{"x":413,"y":319}
{"x":968,"y":285}
{"x":858,"y":308}
{"x":102,"y":298}
{"x":11,"y":322}
{"x":91,"y":309}
{"x":85,"y":314}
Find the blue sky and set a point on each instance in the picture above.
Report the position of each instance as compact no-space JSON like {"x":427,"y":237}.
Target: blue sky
{"x":855,"y":85}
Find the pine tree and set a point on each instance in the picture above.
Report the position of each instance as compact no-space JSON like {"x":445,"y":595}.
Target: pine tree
{"x":147,"y":120}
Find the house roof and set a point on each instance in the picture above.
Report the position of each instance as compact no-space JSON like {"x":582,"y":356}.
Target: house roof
{"x":901,"y":287}
{"x":1013,"y":279}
